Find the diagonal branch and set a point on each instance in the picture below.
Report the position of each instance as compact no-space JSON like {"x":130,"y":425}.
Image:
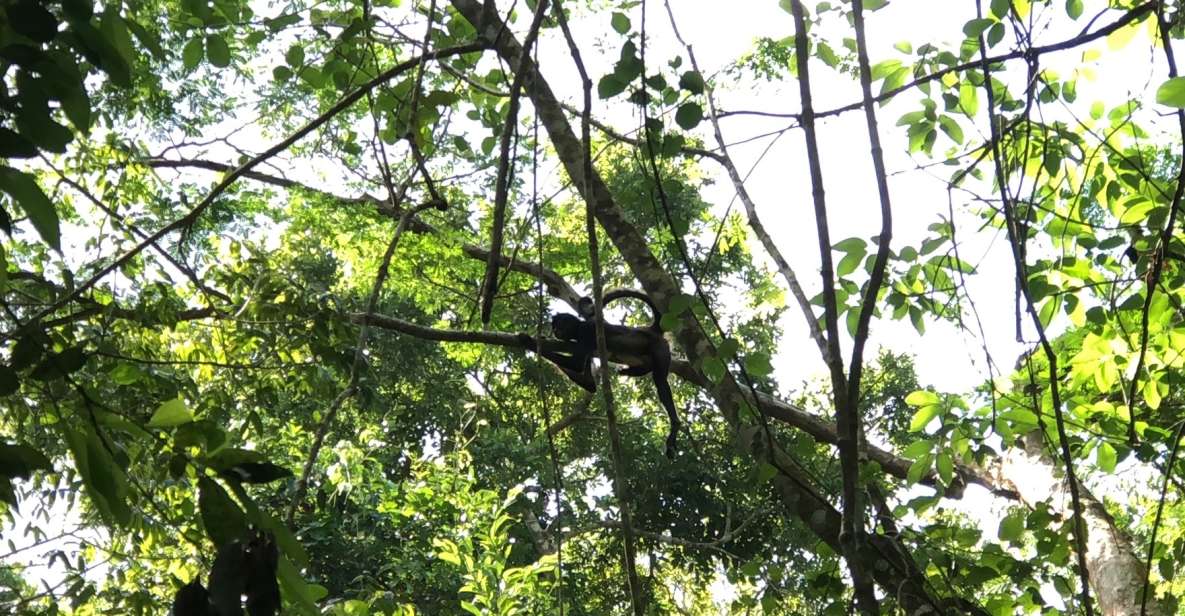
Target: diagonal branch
{"x":489,"y":285}
{"x":188,"y":219}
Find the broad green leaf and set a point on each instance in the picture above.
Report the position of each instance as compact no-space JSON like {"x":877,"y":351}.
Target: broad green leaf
{"x":620,"y":22}
{"x":296,"y":589}
{"x":968,"y":98}
{"x":1106,"y":457}
{"x":692,"y":81}
{"x":951,"y":127}
{"x":171,"y":414}
{"x":922,"y":398}
{"x":920,"y":468}
{"x":923,"y":417}
{"x":689,"y":115}
{"x":976,"y":27}
{"x":115,"y":29}
{"x":917,"y":449}
{"x":24,"y":190}
{"x":1152,"y":394}
{"x":77,"y":107}
{"x":995,"y":34}
{"x":18,"y":461}
{"x":42,"y":130}
{"x":758,"y":364}
{"x":294,"y":56}
{"x":217,"y":51}
{"x":1011,"y":528}
{"x":222,"y":518}
{"x":713,"y":368}
{"x":611,"y":85}
{"x":191,"y":55}
{"x":1172,"y":93}
{"x":946,"y":467}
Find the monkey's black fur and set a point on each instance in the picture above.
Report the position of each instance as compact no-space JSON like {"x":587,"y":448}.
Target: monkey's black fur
{"x":642,"y":350}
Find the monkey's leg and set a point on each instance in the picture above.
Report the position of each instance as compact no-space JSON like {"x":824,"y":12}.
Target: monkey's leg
{"x":668,"y":403}
{"x":575,"y":367}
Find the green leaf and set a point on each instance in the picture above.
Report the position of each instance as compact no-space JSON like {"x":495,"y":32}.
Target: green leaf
{"x":30,"y":18}
{"x":59,"y":365}
{"x":946,"y":467}
{"x":713,"y":368}
{"x":995,"y":34}
{"x":917,"y":449}
{"x":1012,"y":527}
{"x":923,"y":417}
{"x":689,"y":115}
{"x":217,"y":51}
{"x":295,"y":588}
{"x":42,"y":130}
{"x":104,"y":482}
{"x":222,"y":517}
{"x":10,"y":382}
{"x":13,"y":145}
{"x":951,"y":128}
{"x":620,"y":22}
{"x":19,"y":461}
{"x":919,"y":468}
{"x":1172,"y":93}
{"x":294,"y":56}
{"x":257,"y":472}
{"x":115,"y":29}
{"x":728,"y":349}
{"x":1000,"y":8}
{"x":171,"y":414}
{"x":968,"y":98}
{"x":1074,"y":8}
{"x":191,"y":55}
{"x":976,"y":27}
{"x":692,"y":81}
{"x":922,"y":398}
{"x":77,"y":107}
{"x":1106,"y":457}
{"x":25,"y":191}
{"x":758,"y":364}
{"x":104,"y":52}
{"x":611,"y":85}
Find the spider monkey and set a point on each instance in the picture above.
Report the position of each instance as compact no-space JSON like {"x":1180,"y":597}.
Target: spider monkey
{"x":642,"y":350}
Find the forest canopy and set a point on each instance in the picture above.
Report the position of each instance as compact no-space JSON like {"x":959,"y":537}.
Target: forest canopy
{"x":873,"y":306}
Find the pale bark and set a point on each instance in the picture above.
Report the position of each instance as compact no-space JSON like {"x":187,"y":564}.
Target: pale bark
{"x":1116,"y":570}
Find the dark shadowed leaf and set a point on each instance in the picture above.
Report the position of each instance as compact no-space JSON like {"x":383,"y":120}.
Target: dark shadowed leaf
{"x":19,"y":461}
{"x":257,"y":472}
{"x":13,"y":145}
{"x":217,"y":51}
{"x":222,"y":517}
{"x":59,"y":365}
{"x":689,"y":115}
{"x":31,"y":19}
{"x":25,"y":191}
{"x":193,"y":600}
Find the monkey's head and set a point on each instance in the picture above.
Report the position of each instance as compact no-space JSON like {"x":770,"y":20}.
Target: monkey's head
{"x":565,"y":326}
